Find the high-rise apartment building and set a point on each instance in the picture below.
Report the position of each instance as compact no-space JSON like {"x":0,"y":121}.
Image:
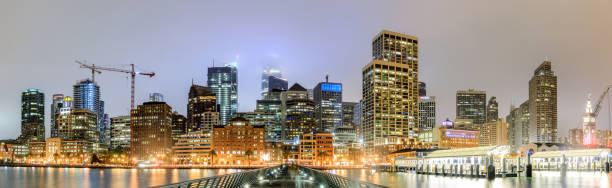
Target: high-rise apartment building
{"x":86,"y":95}
{"x":427,"y":113}
{"x":543,"y":105}
{"x":56,"y":105}
{"x":223,"y":82}
{"x":492,"y":110}
{"x":390,"y":88}
{"x":472,"y":104}
{"x":202,"y":109}
{"x":120,"y":132}
{"x":151,"y":131}
{"x":328,"y":106}
{"x":32,"y":116}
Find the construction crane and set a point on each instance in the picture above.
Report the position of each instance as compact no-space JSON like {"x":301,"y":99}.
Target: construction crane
{"x":131,"y":72}
{"x":600,"y":100}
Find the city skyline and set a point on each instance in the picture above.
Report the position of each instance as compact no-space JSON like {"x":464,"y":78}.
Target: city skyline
{"x":177,"y":58}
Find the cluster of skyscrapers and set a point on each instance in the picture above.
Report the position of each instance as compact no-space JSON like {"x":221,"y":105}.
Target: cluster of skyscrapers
{"x":394,"y":110}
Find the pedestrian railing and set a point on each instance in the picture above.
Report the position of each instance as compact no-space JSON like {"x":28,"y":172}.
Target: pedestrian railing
{"x":332,"y":180}
{"x":234,"y":180}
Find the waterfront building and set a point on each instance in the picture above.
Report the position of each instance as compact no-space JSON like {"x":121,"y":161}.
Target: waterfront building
{"x":36,"y":152}
{"x":193,"y":148}
{"x":492,"y":110}
{"x":156,"y":97}
{"x":78,"y":124}
{"x":472,"y":104}
{"x":324,"y":149}
{"x":32,"y":116}
{"x":328,"y":106}
{"x":151,"y":131}
{"x":543,"y":105}
{"x":390,"y":88}
{"x":271,"y":78}
{"x":274,"y":153}
{"x":493,"y":133}
{"x":202,"y":109}
{"x":588,"y":126}
{"x":455,"y":138}
{"x":427,"y":112}
{"x":604,"y":137}
{"x":223,"y":81}
{"x":86,"y":95}
{"x":297,"y":113}
{"x":179,"y":125}
{"x":575,"y":137}
{"x":307,"y":154}
{"x":239,"y":143}
{"x":120,"y":132}
{"x":392,"y":144}
{"x":57,"y":103}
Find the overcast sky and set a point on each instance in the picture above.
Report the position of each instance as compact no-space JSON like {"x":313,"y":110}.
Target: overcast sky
{"x":481,"y":44}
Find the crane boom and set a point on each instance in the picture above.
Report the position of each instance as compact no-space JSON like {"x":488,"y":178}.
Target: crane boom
{"x":131,"y":72}
{"x":600,"y":100}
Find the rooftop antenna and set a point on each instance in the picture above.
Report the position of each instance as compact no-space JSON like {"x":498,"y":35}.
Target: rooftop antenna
{"x":326,"y":77}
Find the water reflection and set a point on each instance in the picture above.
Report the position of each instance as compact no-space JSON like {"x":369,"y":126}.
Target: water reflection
{"x":540,"y":179}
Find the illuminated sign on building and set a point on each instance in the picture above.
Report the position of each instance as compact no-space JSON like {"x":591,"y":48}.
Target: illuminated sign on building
{"x":331,"y":87}
{"x":459,"y":134}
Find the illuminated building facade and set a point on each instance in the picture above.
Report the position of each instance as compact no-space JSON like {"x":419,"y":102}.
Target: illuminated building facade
{"x":192,"y":148}
{"x":223,"y":81}
{"x":324,"y":151}
{"x":267,"y":86}
{"x":86,"y":95}
{"x":57,"y":103}
{"x":308,"y":151}
{"x":297,"y":113}
{"x":472,"y":104}
{"x":77,"y":124}
{"x":156,"y":97}
{"x":390,"y":88}
{"x":588,"y":126}
{"x":493,"y":133}
{"x":453,"y":138}
{"x":543,"y":105}
{"x":202,"y":109}
{"x":328,"y":106}
{"x":272,"y":104}
{"x":427,"y":112}
{"x":120,"y":132}
{"x":261,"y":118}
{"x":234,"y":142}
{"x":32,"y":116}
{"x":348,"y":114}
{"x":179,"y":125}
{"x":151,"y":131}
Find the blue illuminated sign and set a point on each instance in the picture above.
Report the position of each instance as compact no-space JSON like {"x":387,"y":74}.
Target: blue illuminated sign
{"x":331,"y":87}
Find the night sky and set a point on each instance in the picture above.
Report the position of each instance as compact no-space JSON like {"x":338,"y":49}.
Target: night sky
{"x":480,"y":44}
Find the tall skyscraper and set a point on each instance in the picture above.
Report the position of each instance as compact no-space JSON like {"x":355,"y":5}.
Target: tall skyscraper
{"x":348,"y":114}
{"x":427,"y":113}
{"x":543,"y":105}
{"x":78,"y":124}
{"x":57,"y":104}
{"x":492,"y":110}
{"x":328,"y":106}
{"x":32,"y":116}
{"x":179,"y":125}
{"x":272,"y":79}
{"x":357,"y":120}
{"x":297,"y":113}
{"x":87,"y":96}
{"x":272,"y":103}
{"x":588,"y":126}
{"x":390,"y":88}
{"x":202,"y":109}
{"x":151,"y":131}
{"x":472,"y":104}
{"x":156,"y":97}
{"x":223,"y":82}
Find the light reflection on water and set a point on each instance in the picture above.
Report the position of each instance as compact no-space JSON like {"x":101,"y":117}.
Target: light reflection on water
{"x":540,"y":179}
{"x":93,"y":177}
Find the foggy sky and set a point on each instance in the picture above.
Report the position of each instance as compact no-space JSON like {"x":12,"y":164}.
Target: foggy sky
{"x":480,"y":44}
